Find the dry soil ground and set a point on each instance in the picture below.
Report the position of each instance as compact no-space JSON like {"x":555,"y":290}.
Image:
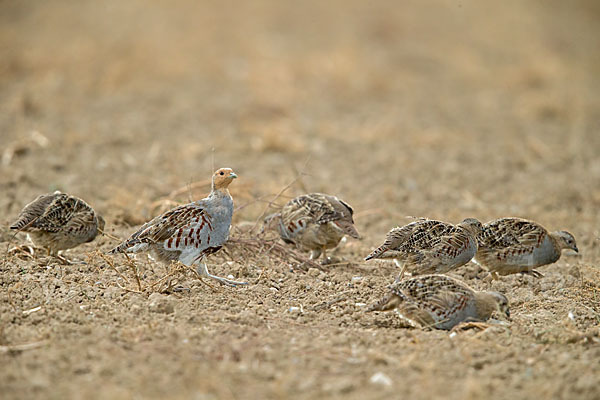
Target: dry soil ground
{"x":445,"y":109}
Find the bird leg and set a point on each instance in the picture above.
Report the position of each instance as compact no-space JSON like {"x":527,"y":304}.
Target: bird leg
{"x":181,"y":288}
{"x":202,"y":270}
{"x":328,"y":260}
{"x":63,"y":260}
{"x":402,"y":271}
{"x":491,"y":276}
{"x":314,"y":254}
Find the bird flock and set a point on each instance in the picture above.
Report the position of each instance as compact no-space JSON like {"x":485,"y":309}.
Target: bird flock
{"x":426,"y":249}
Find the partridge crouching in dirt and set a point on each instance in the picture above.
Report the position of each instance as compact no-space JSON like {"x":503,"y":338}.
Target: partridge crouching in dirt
{"x":428,"y":246}
{"x":314,"y":222}
{"x":515,"y":245}
{"x":58,"y":221}
{"x":190,"y":232}
{"x":441,"y":302}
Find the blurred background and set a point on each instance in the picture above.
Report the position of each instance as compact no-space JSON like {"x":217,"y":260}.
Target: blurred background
{"x":436,"y":108}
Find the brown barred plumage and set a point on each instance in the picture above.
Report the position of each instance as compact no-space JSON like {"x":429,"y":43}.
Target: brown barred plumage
{"x":58,"y":221}
{"x":314,"y":222}
{"x":441,"y":302}
{"x":428,"y":246}
{"x":516,"y":245}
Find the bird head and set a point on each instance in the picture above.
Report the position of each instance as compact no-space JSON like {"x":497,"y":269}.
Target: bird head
{"x":389,"y":302}
{"x":472,"y":225}
{"x":566,"y":240}
{"x":222,"y":178}
{"x":501,"y":303}
{"x":100,"y":223}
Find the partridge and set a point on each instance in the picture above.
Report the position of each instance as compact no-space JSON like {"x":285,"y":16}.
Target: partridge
{"x":190,"y":232}
{"x":515,"y":245}
{"x":58,"y":221}
{"x":428,"y":246}
{"x":314,"y":222}
{"x":441,"y":302}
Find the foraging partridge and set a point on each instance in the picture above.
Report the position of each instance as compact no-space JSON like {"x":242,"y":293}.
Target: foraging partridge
{"x":314,"y":222}
{"x":190,"y":232}
{"x":441,"y":302}
{"x":58,"y":221}
{"x":515,"y":245}
{"x":428,"y":246}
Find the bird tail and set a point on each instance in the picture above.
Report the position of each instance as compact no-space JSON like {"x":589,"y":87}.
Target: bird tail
{"x":269,"y":222}
{"x":22,"y":223}
{"x":129,"y":246}
{"x":376,"y":253}
{"x":18,"y":225}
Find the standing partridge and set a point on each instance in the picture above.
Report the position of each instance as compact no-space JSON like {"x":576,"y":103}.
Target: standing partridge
{"x":190,"y":232}
{"x":314,"y":222}
{"x":440,"y":302}
{"x":58,"y":221}
{"x":428,"y":246}
{"x":515,"y":245}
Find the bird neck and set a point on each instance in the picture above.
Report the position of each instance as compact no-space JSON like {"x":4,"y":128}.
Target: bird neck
{"x":220,"y":192}
{"x":557,"y":241}
{"x":485,"y":305}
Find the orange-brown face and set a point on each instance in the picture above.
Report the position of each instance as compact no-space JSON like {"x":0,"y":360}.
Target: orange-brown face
{"x":223,"y":177}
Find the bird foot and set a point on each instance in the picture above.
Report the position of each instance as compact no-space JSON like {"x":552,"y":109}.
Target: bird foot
{"x":463,"y":326}
{"x":225,"y":281}
{"x":66,"y":261}
{"x":533,"y":273}
{"x":202,"y":271}
{"x":491,"y":276}
{"x":22,"y":251}
{"x":331,"y":260}
{"x":180,"y":288}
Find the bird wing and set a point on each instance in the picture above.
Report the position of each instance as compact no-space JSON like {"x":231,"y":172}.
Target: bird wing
{"x":437,"y":294}
{"x":35,"y":210}
{"x":410,"y":240}
{"x":511,"y":234}
{"x":322,"y":208}
{"x":171,"y":226}
{"x":425,"y":235}
{"x":55,"y":212}
{"x":62,"y":211}
{"x":449,"y":244}
{"x":82,"y":222}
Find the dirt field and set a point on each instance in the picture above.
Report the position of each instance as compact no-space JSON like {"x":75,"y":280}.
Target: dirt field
{"x":444,"y":109}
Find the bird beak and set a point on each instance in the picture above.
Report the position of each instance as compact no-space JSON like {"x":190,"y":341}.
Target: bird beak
{"x":232,"y":175}
{"x":576,"y":249}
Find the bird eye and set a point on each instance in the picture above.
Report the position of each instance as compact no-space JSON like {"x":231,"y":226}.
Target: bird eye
{"x":221,"y":173}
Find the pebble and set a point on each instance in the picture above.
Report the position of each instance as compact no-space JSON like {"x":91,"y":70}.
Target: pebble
{"x":380,"y":378}
{"x":160,"y":303}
